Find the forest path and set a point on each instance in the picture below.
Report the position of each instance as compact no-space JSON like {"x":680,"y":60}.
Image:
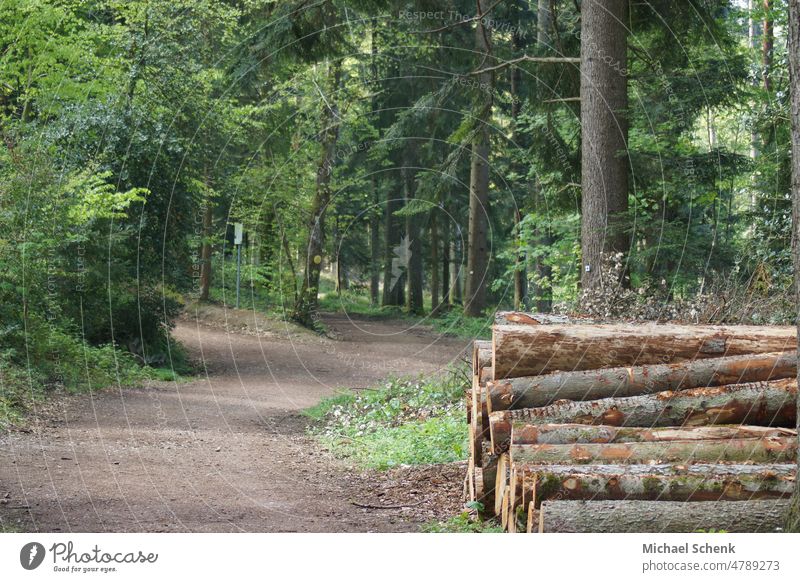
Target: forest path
{"x":227,"y":452}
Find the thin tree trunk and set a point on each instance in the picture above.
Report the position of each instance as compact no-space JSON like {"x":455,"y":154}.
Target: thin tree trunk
{"x":394,"y":274}
{"x":478,"y":249}
{"x":306,"y":306}
{"x":604,"y":133}
{"x":446,"y":282}
{"x":793,"y":522}
{"x":375,"y":249}
{"x":434,"y":231}
{"x":414,"y":300}
{"x":374,"y":219}
{"x":205,"y":252}
{"x":768,"y":43}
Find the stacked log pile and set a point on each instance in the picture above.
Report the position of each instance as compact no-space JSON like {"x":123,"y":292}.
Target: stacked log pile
{"x":579,"y":426}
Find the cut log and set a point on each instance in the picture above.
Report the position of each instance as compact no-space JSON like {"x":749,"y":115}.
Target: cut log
{"x":486,"y":375}
{"x":533,"y":391}
{"x":502,"y":480}
{"x":754,"y":516}
{"x":520,"y":318}
{"x":661,"y":482}
{"x":762,"y":451}
{"x":481,"y":354}
{"x":528,"y":350}
{"x":523,"y":433}
{"x":758,"y":403}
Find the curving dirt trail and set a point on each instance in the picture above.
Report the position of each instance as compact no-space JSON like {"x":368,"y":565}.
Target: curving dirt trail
{"x":227,"y":452}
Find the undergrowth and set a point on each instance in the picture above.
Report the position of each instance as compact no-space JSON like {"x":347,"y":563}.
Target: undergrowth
{"x":464,"y":522}
{"x":405,"y":421}
{"x":68,"y":365}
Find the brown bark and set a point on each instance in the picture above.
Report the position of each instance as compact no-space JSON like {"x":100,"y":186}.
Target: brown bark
{"x":522,"y":318}
{"x":793,"y":521}
{"x":604,"y":134}
{"x":532,"y":391}
{"x":445,"y":262}
{"x":562,"y":434}
{"x":205,"y":253}
{"x":434,"y":232}
{"x":414,"y":301}
{"x":527,"y":350}
{"x":768,"y":42}
{"x":752,"y":516}
{"x":478,"y":235}
{"x":758,"y":403}
{"x":765,"y":450}
{"x":661,"y":482}
{"x":306,"y":306}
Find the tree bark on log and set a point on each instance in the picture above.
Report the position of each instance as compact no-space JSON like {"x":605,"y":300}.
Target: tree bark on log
{"x":752,"y":516}
{"x":533,"y":391}
{"x":529,"y":350}
{"x":661,"y":482}
{"x":521,"y":318}
{"x":761,"y":451}
{"x":758,"y":403}
{"x":523,"y":433}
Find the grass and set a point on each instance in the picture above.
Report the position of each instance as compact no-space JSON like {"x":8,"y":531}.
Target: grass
{"x":464,"y":522}
{"x":68,"y":365}
{"x":403,"y":422}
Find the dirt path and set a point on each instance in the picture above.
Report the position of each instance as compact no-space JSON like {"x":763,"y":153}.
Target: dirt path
{"x":227,"y":452}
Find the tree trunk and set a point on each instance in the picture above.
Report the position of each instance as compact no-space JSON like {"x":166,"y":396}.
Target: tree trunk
{"x":520,"y":270}
{"x":604,"y":134}
{"x":455,"y":274}
{"x":523,"y":433}
{"x":306,"y":306}
{"x":793,"y":522}
{"x":434,"y":231}
{"x":660,"y":482}
{"x":526,"y":350}
{"x":543,"y":23}
{"x":764,"y":450}
{"x":394,"y":275}
{"x":205,"y":252}
{"x":759,"y":403}
{"x":446,"y":283}
{"x":374,"y":216}
{"x":768,"y":42}
{"x":375,"y":251}
{"x":533,"y":391}
{"x":414,"y":300}
{"x":753,"y":516}
{"x":478,"y":235}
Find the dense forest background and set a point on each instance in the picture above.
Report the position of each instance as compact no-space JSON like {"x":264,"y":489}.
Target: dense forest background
{"x":423,"y":157}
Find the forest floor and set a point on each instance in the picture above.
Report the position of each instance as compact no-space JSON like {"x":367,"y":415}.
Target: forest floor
{"x":228,"y":451}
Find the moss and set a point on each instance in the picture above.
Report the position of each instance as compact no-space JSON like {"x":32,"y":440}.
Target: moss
{"x":652,"y":486}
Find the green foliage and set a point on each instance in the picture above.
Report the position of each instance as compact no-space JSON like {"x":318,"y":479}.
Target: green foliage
{"x":405,"y":421}
{"x":463,"y":523}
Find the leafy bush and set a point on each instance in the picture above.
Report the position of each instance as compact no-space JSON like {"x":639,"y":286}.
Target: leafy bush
{"x":405,"y":421}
